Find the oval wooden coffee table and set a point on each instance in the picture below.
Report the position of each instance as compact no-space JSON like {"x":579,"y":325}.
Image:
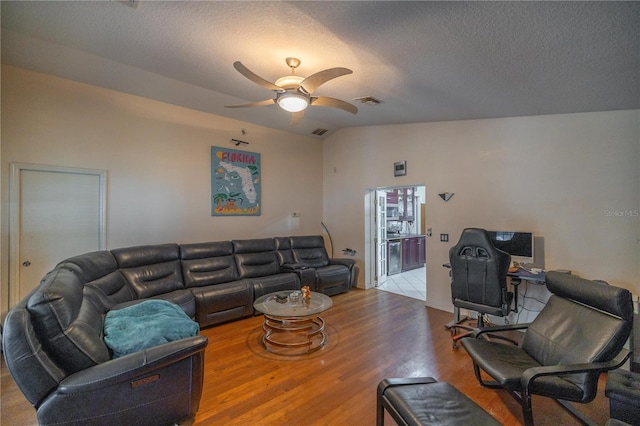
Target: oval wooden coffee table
{"x":293,"y":327}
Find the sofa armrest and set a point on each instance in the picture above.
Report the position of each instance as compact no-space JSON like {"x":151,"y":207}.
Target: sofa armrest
{"x":350,"y":265}
{"x":132,"y":366}
{"x":160,"y":385}
{"x":342,"y":261}
{"x":306,"y":275}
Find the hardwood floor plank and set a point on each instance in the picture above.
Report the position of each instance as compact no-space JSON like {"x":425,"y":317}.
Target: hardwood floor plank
{"x":372,"y":335}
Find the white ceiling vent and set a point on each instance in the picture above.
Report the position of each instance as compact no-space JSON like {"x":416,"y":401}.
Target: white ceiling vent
{"x":319,"y":131}
{"x":369,"y":100}
{"x":131,"y":3}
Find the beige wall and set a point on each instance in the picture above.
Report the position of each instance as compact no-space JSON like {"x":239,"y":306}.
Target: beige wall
{"x":562,"y":177}
{"x":158,"y":161}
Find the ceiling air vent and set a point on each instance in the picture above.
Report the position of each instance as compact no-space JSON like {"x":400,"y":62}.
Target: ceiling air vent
{"x":369,"y":100}
{"x":319,"y":131}
{"x":131,"y":3}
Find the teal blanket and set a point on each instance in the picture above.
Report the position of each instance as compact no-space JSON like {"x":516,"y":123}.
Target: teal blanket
{"x":146,"y":324}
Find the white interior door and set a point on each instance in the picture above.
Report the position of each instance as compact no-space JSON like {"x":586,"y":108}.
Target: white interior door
{"x":381,"y":238}
{"x":56,"y":213}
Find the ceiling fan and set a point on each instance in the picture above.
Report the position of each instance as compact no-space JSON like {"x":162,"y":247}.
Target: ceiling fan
{"x":293,"y":93}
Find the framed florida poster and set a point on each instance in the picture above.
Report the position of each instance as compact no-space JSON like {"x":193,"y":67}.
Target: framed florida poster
{"x":235,"y":182}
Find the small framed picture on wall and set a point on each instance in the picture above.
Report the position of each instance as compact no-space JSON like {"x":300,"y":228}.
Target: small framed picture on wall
{"x":400,"y":168}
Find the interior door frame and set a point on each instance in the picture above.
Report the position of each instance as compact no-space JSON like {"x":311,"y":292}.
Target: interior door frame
{"x":371,"y":230}
{"x":381,"y":232}
{"x":15,"y":170}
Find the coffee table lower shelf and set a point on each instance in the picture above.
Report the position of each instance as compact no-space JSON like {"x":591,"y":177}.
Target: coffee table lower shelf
{"x":293,"y":335}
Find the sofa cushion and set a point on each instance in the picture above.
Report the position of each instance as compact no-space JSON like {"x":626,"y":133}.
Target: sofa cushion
{"x":283,"y":245}
{"x":309,"y":250}
{"x":275,"y":283}
{"x":254,"y":245}
{"x":92,"y":265}
{"x":223,"y":302}
{"x":182,"y":298}
{"x":67,"y":319}
{"x":333,"y":279}
{"x":256,"y":258}
{"x":32,"y":368}
{"x":99,"y":270}
{"x":151,"y":270}
{"x":208,"y":263}
{"x":205,"y":250}
{"x":144,"y":325}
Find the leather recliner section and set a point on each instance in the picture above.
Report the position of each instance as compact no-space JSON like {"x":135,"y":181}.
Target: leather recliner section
{"x":332,"y":276}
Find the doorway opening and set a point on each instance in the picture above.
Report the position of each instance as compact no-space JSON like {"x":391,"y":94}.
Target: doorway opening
{"x":398,"y":231}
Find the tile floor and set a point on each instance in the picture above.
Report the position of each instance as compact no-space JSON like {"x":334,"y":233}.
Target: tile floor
{"x":412,"y":283}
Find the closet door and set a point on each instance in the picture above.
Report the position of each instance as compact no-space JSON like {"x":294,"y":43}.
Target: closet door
{"x":56,"y":213}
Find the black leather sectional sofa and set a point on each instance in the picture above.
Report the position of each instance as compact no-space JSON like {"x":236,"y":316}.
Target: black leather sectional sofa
{"x":53,"y":339}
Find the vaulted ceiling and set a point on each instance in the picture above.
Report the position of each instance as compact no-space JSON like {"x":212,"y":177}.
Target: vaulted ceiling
{"x":426,"y":61}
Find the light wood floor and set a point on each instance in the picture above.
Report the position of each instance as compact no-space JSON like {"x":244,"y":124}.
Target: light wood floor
{"x":372,"y":335}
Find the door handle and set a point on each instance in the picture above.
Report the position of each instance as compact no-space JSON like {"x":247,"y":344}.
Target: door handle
{"x":26,"y":263}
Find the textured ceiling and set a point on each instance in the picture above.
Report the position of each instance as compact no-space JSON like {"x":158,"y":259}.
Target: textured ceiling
{"x":427,"y":61}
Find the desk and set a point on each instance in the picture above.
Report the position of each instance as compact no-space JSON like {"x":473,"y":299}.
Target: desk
{"x":516,"y":279}
{"x":523,"y":274}
{"x":519,"y":273}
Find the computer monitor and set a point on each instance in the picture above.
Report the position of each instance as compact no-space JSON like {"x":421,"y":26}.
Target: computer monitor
{"x":518,"y":244}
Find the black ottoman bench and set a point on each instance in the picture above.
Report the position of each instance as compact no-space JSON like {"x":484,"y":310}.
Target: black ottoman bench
{"x":425,"y":401}
{"x":623,"y":391}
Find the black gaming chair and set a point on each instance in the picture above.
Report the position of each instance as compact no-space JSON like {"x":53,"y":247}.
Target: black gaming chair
{"x":478,"y":278}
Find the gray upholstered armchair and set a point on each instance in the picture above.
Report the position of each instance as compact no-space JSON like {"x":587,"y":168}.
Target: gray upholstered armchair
{"x":579,"y":334}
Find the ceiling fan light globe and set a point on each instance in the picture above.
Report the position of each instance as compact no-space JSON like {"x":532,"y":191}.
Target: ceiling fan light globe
{"x":293,"y":102}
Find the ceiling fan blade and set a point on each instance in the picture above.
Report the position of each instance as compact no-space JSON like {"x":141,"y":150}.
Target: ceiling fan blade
{"x":296,"y":117}
{"x":311,"y":83}
{"x":253,"y":104}
{"x":334,"y":103}
{"x":255,"y":77}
